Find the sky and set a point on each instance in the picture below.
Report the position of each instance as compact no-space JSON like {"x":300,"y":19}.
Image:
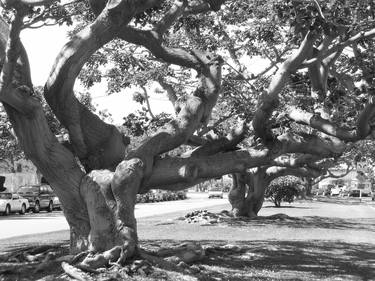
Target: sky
{"x":43,"y":46}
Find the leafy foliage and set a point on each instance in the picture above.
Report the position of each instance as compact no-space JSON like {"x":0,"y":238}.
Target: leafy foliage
{"x":138,"y":123}
{"x":9,"y":147}
{"x":283,"y":189}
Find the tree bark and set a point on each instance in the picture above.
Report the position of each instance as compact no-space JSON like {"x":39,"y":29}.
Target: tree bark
{"x":237,"y":194}
{"x":52,"y":159}
{"x":97,"y":144}
{"x":270,"y":100}
{"x":246,"y":195}
{"x":258,"y":181}
{"x":248,"y":190}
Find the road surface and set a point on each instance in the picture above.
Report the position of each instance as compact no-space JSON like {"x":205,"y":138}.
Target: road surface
{"x":17,"y":225}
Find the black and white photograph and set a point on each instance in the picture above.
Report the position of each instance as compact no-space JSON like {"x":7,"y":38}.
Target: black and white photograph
{"x":187,"y":140}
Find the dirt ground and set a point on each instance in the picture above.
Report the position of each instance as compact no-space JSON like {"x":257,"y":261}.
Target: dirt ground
{"x":311,"y":240}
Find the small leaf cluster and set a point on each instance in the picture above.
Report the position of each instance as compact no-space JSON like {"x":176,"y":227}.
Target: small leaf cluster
{"x":139,"y":123}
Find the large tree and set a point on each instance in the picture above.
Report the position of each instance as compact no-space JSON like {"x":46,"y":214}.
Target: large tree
{"x":96,"y":177}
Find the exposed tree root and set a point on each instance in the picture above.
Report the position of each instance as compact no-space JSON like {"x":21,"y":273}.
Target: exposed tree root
{"x":75,"y":273}
{"x":116,"y":255}
{"x":13,"y":267}
{"x":48,"y":259}
{"x":79,"y":256}
{"x":175,"y":260}
{"x":159,"y":262}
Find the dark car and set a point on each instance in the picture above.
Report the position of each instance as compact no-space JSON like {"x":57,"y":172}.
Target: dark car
{"x":354,"y":193}
{"x":41,"y":197}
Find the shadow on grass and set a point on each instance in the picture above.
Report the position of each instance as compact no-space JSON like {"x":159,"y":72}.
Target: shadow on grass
{"x":345,"y":200}
{"x":367,"y":224}
{"x":285,"y":260}
{"x":247,"y":260}
{"x":286,"y":207}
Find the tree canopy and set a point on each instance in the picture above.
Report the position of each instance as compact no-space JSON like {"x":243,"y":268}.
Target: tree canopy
{"x":302,"y":114}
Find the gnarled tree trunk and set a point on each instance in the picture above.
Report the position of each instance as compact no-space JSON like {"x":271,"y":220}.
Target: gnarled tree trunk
{"x":246,"y":195}
{"x":99,"y":206}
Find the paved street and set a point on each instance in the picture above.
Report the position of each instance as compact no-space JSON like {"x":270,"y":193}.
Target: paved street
{"x":17,"y":225}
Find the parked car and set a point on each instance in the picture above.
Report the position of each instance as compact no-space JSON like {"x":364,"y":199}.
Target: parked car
{"x":41,"y":197}
{"x":335,"y":191}
{"x":361,"y":189}
{"x":215,"y":192}
{"x":13,"y":203}
{"x":56,"y":203}
{"x":354,"y":193}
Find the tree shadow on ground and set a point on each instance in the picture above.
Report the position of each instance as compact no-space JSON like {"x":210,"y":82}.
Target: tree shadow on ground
{"x":241,"y":260}
{"x":367,"y":224}
{"x":287,"y":207}
{"x":345,"y":200}
{"x":32,"y":262}
{"x":285,"y":260}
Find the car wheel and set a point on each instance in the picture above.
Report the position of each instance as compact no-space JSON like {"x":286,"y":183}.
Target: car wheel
{"x":36,"y":207}
{"x":7,"y":210}
{"x":23,"y":209}
{"x":50,"y":207}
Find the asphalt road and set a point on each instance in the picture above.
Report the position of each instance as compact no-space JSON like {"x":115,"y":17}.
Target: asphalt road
{"x":20,"y":225}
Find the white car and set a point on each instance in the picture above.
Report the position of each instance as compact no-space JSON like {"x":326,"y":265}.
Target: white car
{"x":13,"y":203}
{"x":335,"y":191}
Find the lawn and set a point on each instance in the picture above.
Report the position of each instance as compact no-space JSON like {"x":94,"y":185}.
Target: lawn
{"x":310,"y":240}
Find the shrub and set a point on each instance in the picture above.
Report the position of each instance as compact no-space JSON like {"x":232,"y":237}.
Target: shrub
{"x":283,"y":189}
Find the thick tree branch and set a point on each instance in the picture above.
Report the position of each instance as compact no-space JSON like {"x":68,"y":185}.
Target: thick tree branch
{"x":150,"y":40}
{"x":315,"y":121}
{"x":97,"y":6}
{"x":301,"y":172}
{"x":270,"y":100}
{"x":295,"y":161}
{"x":205,"y":6}
{"x":96,"y":143}
{"x":193,"y":114}
{"x":222,"y":144}
{"x":215,"y":124}
{"x":329,"y":174}
{"x":52,"y":159}
{"x":311,"y":144}
{"x":12,"y":61}
{"x":170,"y":171}
{"x":340,"y":46}
{"x":364,"y":126}
{"x":174,"y":13}
{"x":17,"y":3}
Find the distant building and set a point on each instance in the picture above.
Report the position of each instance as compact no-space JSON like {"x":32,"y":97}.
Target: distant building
{"x":354,"y":180}
{"x":23,"y":173}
